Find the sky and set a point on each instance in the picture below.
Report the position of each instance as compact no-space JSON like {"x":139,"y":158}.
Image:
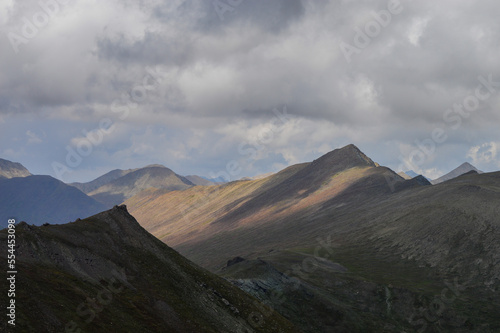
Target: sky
{"x":238,"y":88}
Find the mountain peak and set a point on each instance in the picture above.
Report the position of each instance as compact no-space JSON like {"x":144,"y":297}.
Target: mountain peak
{"x":10,"y":169}
{"x":155,"y":166}
{"x":460,"y":170}
{"x":344,"y":158}
{"x":467,"y":165}
{"x":122,"y":188}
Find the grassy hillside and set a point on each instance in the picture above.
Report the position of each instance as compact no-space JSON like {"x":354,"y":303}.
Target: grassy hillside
{"x":107,"y":274}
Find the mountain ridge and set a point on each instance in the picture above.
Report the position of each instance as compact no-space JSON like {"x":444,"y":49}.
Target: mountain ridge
{"x":107,"y":274}
{"x":120,"y":189}
{"x":92,"y":185}
{"x":408,"y":240}
{"x":333,"y":179}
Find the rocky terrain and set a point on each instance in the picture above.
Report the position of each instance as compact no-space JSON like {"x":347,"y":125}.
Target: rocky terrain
{"x":107,"y":274}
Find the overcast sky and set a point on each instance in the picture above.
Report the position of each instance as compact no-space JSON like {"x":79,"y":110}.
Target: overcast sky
{"x":247,"y":86}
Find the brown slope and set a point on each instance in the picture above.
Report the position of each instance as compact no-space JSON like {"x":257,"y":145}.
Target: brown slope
{"x":107,"y":274}
{"x":335,"y":180}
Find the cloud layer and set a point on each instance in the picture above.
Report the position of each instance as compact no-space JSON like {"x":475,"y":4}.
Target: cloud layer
{"x":193,"y":84}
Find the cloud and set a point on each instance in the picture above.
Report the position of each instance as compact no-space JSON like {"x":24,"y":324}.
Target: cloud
{"x":32,"y":137}
{"x":484,"y":154}
{"x":220,"y":79}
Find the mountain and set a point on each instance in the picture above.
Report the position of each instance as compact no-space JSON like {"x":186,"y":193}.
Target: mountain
{"x":264,"y":175}
{"x":107,"y":274}
{"x":10,"y":169}
{"x":404,"y":175}
{"x":41,"y":199}
{"x":339,"y":178}
{"x":411,"y":173}
{"x":350,"y":245}
{"x":462,"y":169}
{"x":102,"y":180}
{"x":197,"y":180}
{"x":217,"y":180}
{"x":124,"y":187}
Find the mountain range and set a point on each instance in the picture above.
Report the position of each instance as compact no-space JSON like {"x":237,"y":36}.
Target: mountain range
{"x":131,"y":182}
{"x":44,"y":199}
{"x":339,"y":244}
{"x":394,"y":246}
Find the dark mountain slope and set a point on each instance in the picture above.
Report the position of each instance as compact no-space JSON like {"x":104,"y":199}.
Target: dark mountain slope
{"x":10,"y":169}
{"x":157,"y":176}
{"x":414,"y":249}
{"x":407,"y":247}
{"x":107,"y":274}
{"x":41,"y":199}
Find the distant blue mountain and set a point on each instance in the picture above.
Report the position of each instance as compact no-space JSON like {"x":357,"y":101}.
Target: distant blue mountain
{"x":218,"y":180}
{"x":413,"y":174}
{"x":40,"y":199}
